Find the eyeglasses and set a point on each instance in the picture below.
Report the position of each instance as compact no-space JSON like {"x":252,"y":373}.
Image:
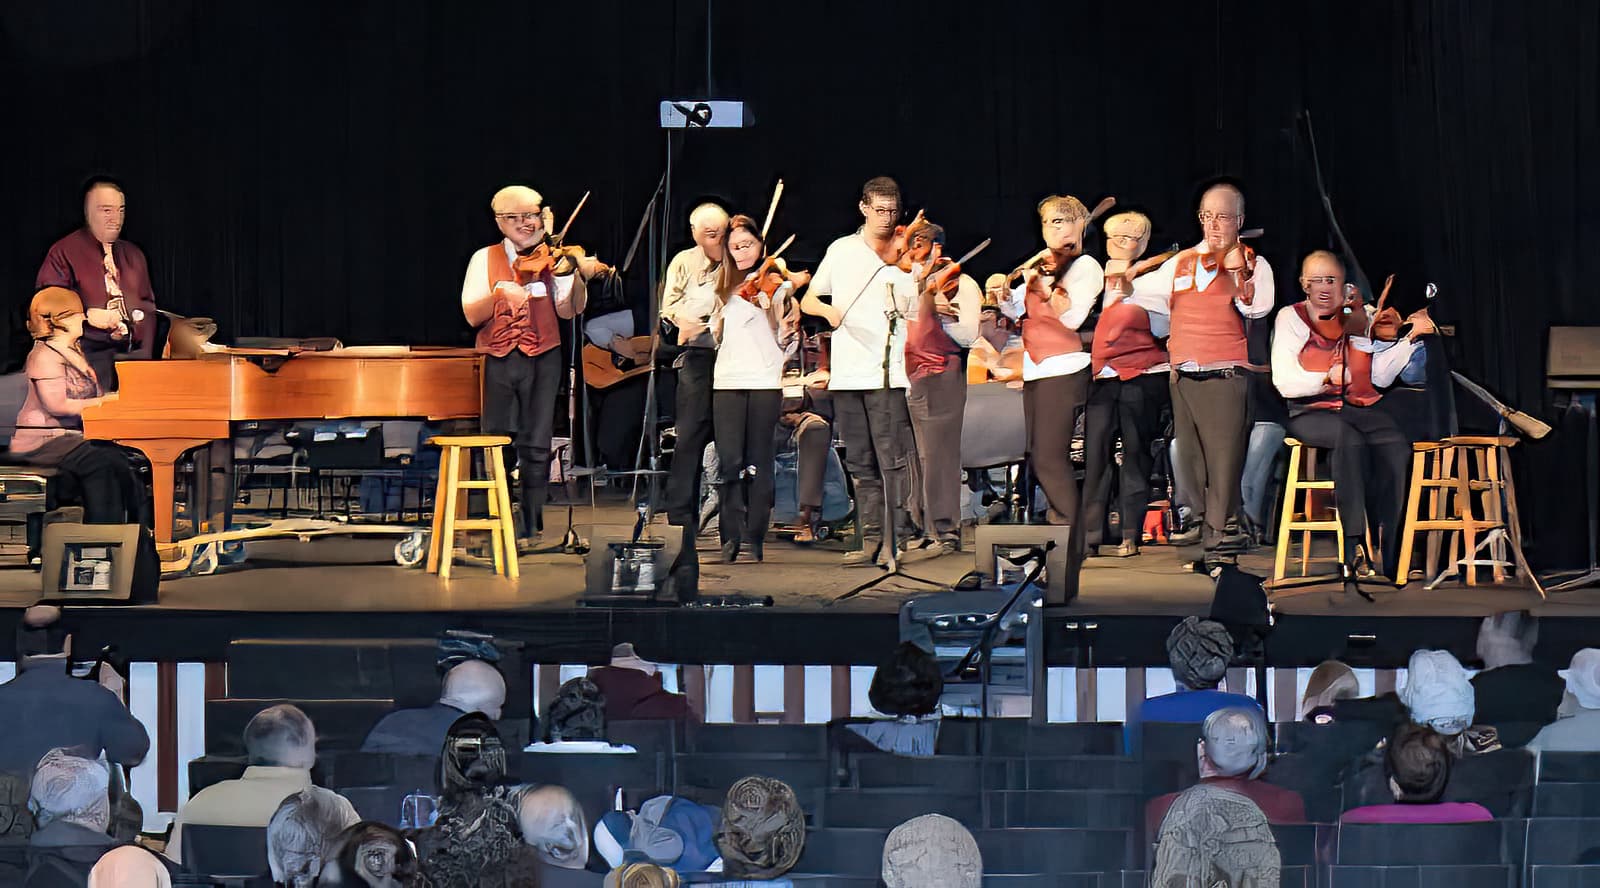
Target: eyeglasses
{"x":1322,"y":279}
{"x":1130,"y":238}
{"x":1205,"y":217}
{"x":112,"y":211}
{"x":885,"y":212}
{"x":518,"y":218}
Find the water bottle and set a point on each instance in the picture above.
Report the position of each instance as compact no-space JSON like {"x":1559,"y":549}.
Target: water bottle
{"x":418,"y":810}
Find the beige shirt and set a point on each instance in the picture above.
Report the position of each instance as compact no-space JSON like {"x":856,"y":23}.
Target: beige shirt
{"x":248,"y":801}
{"x":691,"y":291}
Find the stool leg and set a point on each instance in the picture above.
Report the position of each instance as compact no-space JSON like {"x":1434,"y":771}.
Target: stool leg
{"x":447,"y":552}
{"x":507,"y":531}
{"x":497,"y":542}
{"x":1286,"y":518}
{"x":438,"y":516}
{"x":1513,"y":517}
{"x":1469,"y":524}
{"x":1408,"y":525}
{"x":1496,"y":514}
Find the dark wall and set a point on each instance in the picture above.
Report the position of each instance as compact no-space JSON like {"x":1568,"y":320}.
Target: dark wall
{"x":323,"y":168}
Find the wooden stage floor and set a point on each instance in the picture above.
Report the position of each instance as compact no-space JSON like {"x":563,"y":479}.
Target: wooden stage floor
{"x":286,"y":584}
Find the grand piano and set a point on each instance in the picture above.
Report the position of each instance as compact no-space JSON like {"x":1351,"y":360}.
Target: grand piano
{"x":168,"y":407}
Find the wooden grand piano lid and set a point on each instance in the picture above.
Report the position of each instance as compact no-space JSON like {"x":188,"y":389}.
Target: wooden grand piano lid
{"x":1574,"y":360}
{"x":344,"y":352}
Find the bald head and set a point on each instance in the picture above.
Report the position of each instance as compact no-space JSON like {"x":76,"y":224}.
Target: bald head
{"x":1222,"y":191}
{"x":474,"y":686}
{"x":281,"y":736}
{"x":129,"y":866}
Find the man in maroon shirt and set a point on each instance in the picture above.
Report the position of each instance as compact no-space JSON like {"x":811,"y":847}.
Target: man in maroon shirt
{"x":1233,"y":753}
{"x":112,"y":278}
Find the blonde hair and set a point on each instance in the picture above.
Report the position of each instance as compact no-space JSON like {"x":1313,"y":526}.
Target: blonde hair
{"x":642,"y":875}
{"x":1129,"y":215}
{"x":1065,"y":204}
{"x":514,"y":193}
{"x":47,"y":305}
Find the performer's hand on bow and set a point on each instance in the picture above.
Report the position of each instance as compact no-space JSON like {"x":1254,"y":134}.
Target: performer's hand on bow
{"x":1421,"y":324}
{"x":103,"y":318}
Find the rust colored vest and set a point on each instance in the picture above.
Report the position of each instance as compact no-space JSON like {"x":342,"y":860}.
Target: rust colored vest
{"x":929,"y":349}
{"x":1326,"y":342}
{"x":1123,"y":341}
{"x":1206,"y":326}
{"x":532,"y":329}
{"x":1043,"y":334}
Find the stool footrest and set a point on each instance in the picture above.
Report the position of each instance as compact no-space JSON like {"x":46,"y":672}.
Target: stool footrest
{"x":477,"y":524}
{"x":475,"y":485}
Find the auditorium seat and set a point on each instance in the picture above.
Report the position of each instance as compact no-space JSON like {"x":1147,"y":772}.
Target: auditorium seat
{"x":888,"y":808}
{"x":649,"y":736}
{"x":1566,"y":800}
{"x":1015,"y":737}
{"x":1071,"y":808}
{"x":948,"y":772}
{"x":1564,"y":841}
{"x":1167,"y":750}
{"x":1563,"y":877}
{"x":225,"y":851}
{"x":341,"y":724}
{"x":808,"y":740}
{"x":1425,"y":844}
{"x":1443,"y":876}
{"x":1569,"y":767}
{"x":1085,"y":772}
{"x":1044,"y":850}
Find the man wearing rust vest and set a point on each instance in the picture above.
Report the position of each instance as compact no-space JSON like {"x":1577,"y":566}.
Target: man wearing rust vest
{"x":1209,"y":290}
{"x":1128,"y":392}
{"x":940,"y":329}
{"x":1056,"y":295}
{"x":519,"y":333}
{"x":111,"y":276}
{"x":1324,"y":364}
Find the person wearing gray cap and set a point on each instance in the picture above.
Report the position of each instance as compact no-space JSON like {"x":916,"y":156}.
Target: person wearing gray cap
{"x":633,"y":689}
{"x":1233,"y":755}
{"x":1199,"y":652}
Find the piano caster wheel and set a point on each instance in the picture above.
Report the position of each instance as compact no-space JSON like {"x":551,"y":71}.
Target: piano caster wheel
{"x":230,"y":552}
{"x":204,"y":561}
{"x":410,"y":550}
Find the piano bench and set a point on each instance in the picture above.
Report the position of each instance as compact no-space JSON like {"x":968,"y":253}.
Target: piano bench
{"x":455,"y":475}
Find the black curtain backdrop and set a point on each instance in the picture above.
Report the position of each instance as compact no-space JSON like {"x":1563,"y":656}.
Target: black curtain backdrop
{"x":323,"y":168}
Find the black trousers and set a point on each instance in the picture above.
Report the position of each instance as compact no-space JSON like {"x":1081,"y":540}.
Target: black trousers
{"x":97,"y":475}
{"x":1050,"y":411}
{"x":875,"y":426}
{"x":744,"y":420}
{"x":812,"y":437}
{"x":519,"y":400}
{"x":1370,"y":454}
{"x":1211,"y":424}
{"x":693,"y":424}
{"x":1130,"y":409}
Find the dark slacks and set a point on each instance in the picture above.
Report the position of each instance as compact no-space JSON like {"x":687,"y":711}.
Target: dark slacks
{"x":936,"y":405}
{"x":693,"y":424}
{"x":812,"y":436}
{"x":1050,"y":410}
{"x":744,"y":420}
{"x":1370,"y":454}
{"x":875,"y":426}
{"x":519,"y":400}
{"x":98,"y":475}
{"x":1130,"y":409}
{"x":1211,"y":424}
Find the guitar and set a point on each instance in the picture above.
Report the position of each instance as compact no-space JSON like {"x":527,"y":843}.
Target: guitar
{"x":603,"y":368}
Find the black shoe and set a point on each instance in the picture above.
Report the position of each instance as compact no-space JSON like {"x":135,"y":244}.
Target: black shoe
{"x":1349,"y":579}
{"x":1189,"y":536}
{"x":1235,"y":543}
{"x":756,"y":550}
{"x":730,"y":551}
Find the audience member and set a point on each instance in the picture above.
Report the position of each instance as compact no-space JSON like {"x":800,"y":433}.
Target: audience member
{"x":1233,"y":755}
{"x":553,"y":825}
{"x":931,"y":851}
{"x":71,"y":807}
{"x":281,"y":746}
{"x":633,"y":690}
{"x":1212,"y":836}
{"x":578,"y":713}
{"x":666,"y":830}
{"x":1513,"y":693}
{"x":907,"y":686}
{"x":1577,"y":729}
{"x":476,"y":839}
{"x":301,"y":833}
{"x":642,"y":875}
{"x":763,"y":829}
{"x":1418,"y":761}
{"x":129,"y":866}
{"x":1329,"y":683}
{"x":371,"y":855}
{"x":1439,"y":694}
{"x":469,"y":686}
{"x":1199,"y":652}
{"x":47,"y":708}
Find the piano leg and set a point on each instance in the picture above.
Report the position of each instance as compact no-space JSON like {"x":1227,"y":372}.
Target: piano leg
{"x":163,"y":454}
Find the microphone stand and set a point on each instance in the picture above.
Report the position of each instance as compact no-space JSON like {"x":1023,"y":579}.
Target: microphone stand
{"x":894,"y":316}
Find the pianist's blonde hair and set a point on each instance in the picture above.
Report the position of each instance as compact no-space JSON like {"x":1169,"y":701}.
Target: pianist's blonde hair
{"x":47,"y":305}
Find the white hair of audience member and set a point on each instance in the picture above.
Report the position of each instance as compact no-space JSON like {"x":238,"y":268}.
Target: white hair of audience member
{"x":302,"y":830}
{"x":71,"y":788}
{"x":553,"y":825}
{"x":931,"y":851}
{"x":1507,"y":639}
{"x":474,"y":686}
{"x":1583,"y":678}
{"x":129,"y":866}
{"x":1438,"y":692}
{"x":1329,"y":683}
{"x":281,"y":736}
{"x":1233,"y":740}
{"x":708,"y":215}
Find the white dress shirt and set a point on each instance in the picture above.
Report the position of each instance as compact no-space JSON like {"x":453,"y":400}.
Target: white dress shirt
{"x":748,"y":355}
{"x":865,"y":290}
{"x":1289,"y":337}
{"x":476,"y":289}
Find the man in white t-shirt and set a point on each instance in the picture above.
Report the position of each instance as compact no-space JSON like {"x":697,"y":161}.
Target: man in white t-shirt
{"x":869,"y":300}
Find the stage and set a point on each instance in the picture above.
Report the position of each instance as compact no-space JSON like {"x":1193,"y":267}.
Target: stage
{"x":346,"y":587}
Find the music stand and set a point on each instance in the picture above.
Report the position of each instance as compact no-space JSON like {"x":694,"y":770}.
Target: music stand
{"x":1574,"y":366}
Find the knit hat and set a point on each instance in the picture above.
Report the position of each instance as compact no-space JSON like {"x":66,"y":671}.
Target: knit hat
{"x":931,"y":851}
{"x":1438,"y":692}
{"x":1199,"y":651}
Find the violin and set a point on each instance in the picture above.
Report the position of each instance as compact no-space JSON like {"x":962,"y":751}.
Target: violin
{"x":763,"y":283}
{"x":550,"y":258}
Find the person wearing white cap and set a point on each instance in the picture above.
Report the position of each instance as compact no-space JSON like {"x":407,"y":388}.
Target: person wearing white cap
{"x":1577,"y":727}
{"x":1233,"y":755}
{"x":1438,"y":693}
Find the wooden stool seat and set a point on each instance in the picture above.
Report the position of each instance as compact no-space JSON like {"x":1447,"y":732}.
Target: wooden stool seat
{"x":1298,"y":516}
{"x":455,"y":475}
{"x":1467,"y":480}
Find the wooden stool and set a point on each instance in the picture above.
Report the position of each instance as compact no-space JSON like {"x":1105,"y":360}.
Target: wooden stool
{"x":1298,"y":515}
{"x":455,"y":474}
{"x":1470,"y":495}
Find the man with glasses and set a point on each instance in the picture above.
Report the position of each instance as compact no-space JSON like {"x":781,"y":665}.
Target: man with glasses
{"x":111,"y":276}
{"x":1210,"y":290}
{"x":518,"y":316}
{"x":869,"y":299}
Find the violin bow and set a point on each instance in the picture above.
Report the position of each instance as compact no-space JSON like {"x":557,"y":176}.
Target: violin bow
{"x":967,"y":257}
{"x":1100,"y":209}
{"x":784,"y":246}
{"x":772,"y":210}
{"x":562,"y":237}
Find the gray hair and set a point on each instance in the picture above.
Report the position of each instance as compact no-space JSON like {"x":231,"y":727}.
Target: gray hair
{"x":1235,"y":739}
{"x":71,"y":788}
{"x":931,"y":850}
{"x":1507,"y":639}
{"x":281,"y":736}
{"x":474,"y":686}
{"x":303,"y":829}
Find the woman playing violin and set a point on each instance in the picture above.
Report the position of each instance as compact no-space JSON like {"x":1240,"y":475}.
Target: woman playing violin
{"x":757,"y":325}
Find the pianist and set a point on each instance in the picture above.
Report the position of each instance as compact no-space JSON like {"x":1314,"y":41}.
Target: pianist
{"x":516,"y":314}
{"x":61,"y":383}
{"x":112,"y":278}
